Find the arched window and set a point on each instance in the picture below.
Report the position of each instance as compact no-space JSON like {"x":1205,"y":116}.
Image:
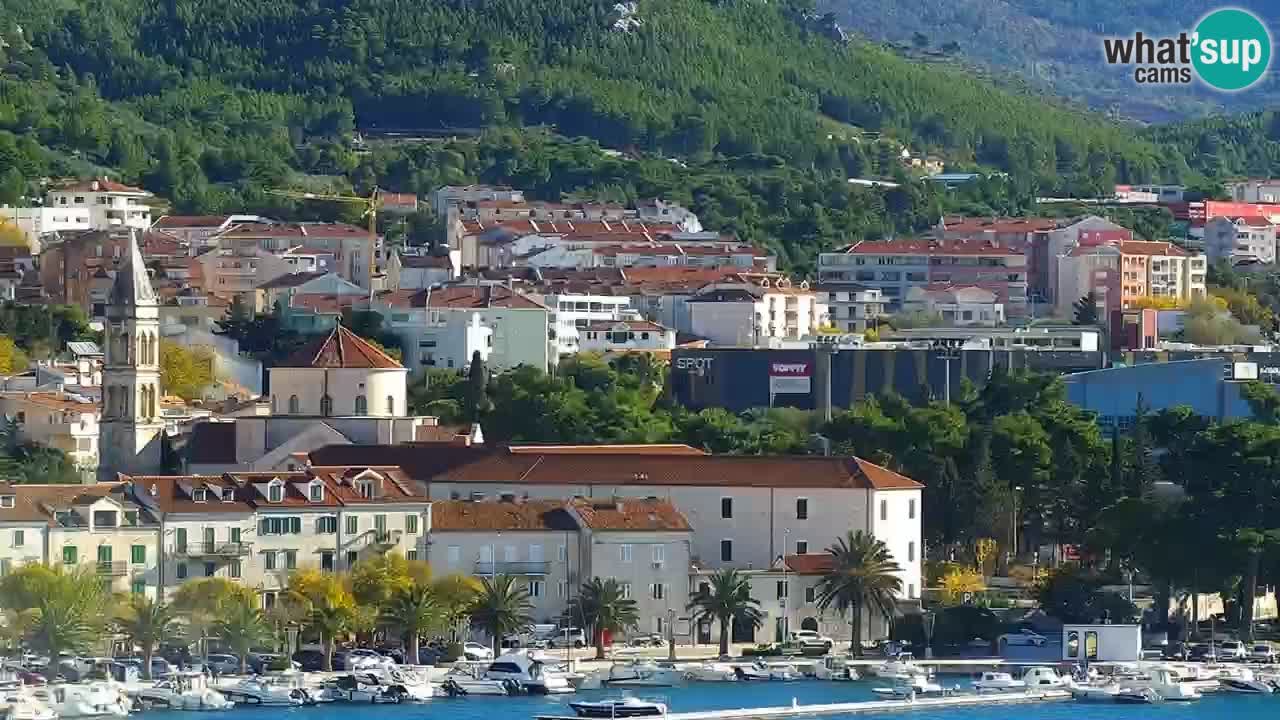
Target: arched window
{"x":362,"y":405}
{"x":293,"y":405}
{"x":391,"y":405}
{"x":326,"y":405}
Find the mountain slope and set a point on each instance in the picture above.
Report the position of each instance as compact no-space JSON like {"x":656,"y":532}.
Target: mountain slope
{"x":1057,"y":44}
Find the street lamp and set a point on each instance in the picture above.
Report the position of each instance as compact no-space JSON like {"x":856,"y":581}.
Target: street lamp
{"x":671,"y":634}
{"x":927,"y":622}
{"x":949,"y":351}
{"x":1013,"y":551}
{"x":786,"y":590}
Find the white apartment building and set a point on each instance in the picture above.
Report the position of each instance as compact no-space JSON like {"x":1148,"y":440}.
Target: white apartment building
{"x":852,"y":308}
{"x":571,"y":314}
{"x":36,"y":222}
{"x":957,"y":306}
{"x":1240,"y":239}
{"x":437,"y":326}
{"x":625,"y":336}
{"x":110,"y":204}
{"x":1255,"y":191}
{"x":59,"y":420}
{"x":751,"y":314}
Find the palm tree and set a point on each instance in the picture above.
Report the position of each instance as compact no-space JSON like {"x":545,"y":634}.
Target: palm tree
{"x":863,"y":575}
{"x":601,"y":607}
{"x":414,"y":611}
{"x":726,"y":597}
{"x":65,"y":609}
{"x":147,"y":623}
{"x":501,"y":607}
{"x":243,"y":626}
{"x":331,"y":616}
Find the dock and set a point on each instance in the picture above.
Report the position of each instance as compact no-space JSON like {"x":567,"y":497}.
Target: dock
{"x":865,"y":706}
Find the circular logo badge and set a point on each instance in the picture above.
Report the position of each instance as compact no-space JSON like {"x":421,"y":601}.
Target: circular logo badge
{"x":1232,"y":49}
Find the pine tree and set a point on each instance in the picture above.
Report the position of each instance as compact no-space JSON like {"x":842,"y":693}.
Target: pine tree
{"x":475,"y":400}
{"x":1087,"y":309}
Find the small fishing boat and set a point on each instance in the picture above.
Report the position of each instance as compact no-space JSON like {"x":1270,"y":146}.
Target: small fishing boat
{"x":909,"y":689}
{"x":186,"y":691}
{"x":902,"y":666}
{"x":1138,"y":696}
{"x":463,"y":681}
{"x":1044,"y":678}
{"x":633,"y":674}
{"x":251,"y":691}
{"x":1103,"y":693}
{"x":835,"y":668}
{"x":761,"y":670}
{"x":1245,"y":681}
{"x":998,"y":682}
{"x":628,"y":707}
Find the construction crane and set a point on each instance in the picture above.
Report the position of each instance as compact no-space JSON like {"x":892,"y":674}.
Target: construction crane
{"x":370,"y":205}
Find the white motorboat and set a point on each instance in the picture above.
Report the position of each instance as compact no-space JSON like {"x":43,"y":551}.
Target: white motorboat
{"x":186,"y":691}
{"x":833,"y":667}
{"x":20,"y":703}
{"x":529,"y":672}
{"x":909,"y":689}
{"x":1246,"y":682}
{"x":85,"y":700}
{"x":1044,"y":678}
{"x":1136,"y":696}
{"x":255,"y":691}
{"x":619,"y":708}
{"x":1094,"y":692}
{"x":367,"y":687}
{"x":998,"y":682}
{"x":761,"y":670}
{"x":633,"y":674}
{"x":1167,"y":683}
{"x":462,"y":681}
{"x":294,"y":681}
{"x":712,"y":672}
{"x":901,"y":667}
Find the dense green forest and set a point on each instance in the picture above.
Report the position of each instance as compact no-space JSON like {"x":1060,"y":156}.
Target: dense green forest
{"x":1056,"y":45}
{"x":754,"y":113}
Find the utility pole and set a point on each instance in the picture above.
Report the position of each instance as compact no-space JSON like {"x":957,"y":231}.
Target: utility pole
{"x":950,"y":350}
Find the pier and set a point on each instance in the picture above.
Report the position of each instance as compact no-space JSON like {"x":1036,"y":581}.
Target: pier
{"x":866,"y":706}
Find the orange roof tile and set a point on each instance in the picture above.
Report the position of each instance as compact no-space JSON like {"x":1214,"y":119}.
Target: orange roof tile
{"x":929,"y":247}
{"x":341,"y":348}
{"x":629,"y":514}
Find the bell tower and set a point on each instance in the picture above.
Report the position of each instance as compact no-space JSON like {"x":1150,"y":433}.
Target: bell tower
{"x":129,"y":435}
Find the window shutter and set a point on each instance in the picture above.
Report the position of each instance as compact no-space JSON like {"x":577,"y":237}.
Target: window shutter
{"x":263,"y":526}
{"x":295,"y":525}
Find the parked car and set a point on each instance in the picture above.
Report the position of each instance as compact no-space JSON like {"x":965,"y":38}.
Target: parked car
{"x":812,"y":638}
{"x":1262,"y":653}
{"x":650,"y":640}
{"x":160,"y":668}
{"x":223,"y":664}
{"x":575,"y":637}
{"x":1232,"y":650}
{"x":1201,"y":652}
{"x":476,"y":651}
{"x":309,"y":660}
{"x":1025,"y":636}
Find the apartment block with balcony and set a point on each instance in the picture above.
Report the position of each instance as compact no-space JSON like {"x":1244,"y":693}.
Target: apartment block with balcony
{"x":754,"y":313}
{"x":852,"y":307}
{"x":110,"y":204}
{"x":894,"y":266}
{"x":1243,"y":239}
{"x":99,"y":525}
{"x":571,"y":314}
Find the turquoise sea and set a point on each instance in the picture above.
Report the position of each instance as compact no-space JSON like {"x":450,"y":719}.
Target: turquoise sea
{"x":711,"y":696}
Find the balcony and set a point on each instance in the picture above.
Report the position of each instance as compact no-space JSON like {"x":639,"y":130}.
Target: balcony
{"x":213,"y":550}
{"x":517,"y":567}
{"x":109,"y":568}
{"x":385,"y":538}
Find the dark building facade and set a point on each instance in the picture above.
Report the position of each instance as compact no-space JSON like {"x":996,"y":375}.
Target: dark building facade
{"x":738,"y":379}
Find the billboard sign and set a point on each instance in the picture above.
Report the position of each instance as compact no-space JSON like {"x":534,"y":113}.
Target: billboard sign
{"x":790,"y":378}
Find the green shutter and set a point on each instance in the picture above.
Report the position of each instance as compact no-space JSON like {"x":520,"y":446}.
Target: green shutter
{"x":180,"y":539}
{"x":353,"y":524}
{"x":235,"y":534}
{"x":69,"y":555}
{"x":235,"y":569}
{"x":411,"y":524}
{"x":104,"y":553}
{"x":139,"y":587}
{"x":295,"y":525}
{"x":380,"y":523}
{"x":290,"y":559}
{"x":139,"y":554}
{"x":269,"y":560}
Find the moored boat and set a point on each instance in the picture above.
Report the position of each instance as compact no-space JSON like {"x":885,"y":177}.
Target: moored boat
{"x":628,"y":707}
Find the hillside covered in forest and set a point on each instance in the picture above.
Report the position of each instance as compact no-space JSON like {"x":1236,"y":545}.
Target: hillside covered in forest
{"x":752,"y":112}
{"x":1056,"y":45}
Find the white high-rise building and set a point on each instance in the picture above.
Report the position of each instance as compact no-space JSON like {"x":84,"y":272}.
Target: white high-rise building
{"x":131,"y":425}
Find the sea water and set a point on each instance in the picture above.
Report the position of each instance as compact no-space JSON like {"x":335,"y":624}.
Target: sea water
{"x":732,"y":695}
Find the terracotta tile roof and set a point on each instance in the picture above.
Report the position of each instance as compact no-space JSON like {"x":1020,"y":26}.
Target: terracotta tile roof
{"x":474,"y":296}
{"x":629,"y":514}
{"x":1140,"y":247}
{"x":51,"y":401}
{"x":490,"y":515}
{"x":176,"y":493}
{"x":324,"y":302}
{"x":929,"y":247}
{"x":657,"y":449}
{"x":1252,"y":221}
{"x":397,"y":200}
{"x":246,"y":491}
{"x":340,"y":349}
{"x":566,"y":228}
{"x":101,"y":184}
{"x":810,"y":564}
{"x":441,"y":433}
{"x":487,"y":464}
{"x":39,"y":503}
{"x":676,"y":249}
{"x":190,"y":221}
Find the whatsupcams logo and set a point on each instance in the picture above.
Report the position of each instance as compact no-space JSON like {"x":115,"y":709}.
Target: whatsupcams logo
{"x":1229,"y":49}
